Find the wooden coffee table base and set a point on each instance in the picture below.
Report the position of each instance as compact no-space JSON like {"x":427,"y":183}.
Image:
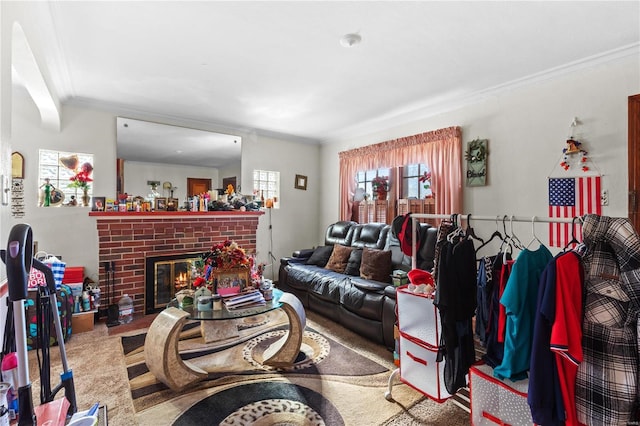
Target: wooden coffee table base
{"x":161,"y":351}
{"x":284,"y":352}
{"x":214,"y":331}
{"x":161,"y":344}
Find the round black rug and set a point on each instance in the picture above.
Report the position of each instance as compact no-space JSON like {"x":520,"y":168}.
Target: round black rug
{"x":267,"y":403}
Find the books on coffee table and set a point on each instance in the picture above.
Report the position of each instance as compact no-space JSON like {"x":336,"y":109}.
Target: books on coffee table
{"x":250,"y":299}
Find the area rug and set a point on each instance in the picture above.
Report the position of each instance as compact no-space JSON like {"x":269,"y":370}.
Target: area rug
{"x":331,"y":383}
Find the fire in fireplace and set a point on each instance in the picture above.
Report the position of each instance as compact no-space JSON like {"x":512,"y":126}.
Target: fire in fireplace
{"x":165,"y":276}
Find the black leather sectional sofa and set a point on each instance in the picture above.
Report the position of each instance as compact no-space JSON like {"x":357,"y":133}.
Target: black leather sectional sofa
{"x":365,"y":306}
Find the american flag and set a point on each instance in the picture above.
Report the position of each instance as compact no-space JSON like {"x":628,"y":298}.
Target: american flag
{"x":568,"y":198}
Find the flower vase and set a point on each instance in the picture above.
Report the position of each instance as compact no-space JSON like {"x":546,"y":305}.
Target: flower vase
{"x":85,"y":198}
{"x":382,"y":194}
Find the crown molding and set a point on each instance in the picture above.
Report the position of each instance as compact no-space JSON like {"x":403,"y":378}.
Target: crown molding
{"x":454,"y":102}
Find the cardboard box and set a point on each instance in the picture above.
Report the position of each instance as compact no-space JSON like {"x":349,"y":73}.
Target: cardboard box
{"x":81,"y":322}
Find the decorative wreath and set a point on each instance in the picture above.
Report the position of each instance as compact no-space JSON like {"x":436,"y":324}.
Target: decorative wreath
{"x":477,"y":151}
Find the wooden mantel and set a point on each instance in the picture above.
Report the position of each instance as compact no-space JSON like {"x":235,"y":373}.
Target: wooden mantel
{"x":173,"y":215}
{"x":126,"y":239}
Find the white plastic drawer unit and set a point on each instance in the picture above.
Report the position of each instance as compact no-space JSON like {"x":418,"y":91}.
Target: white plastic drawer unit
{"x":419,"y":369}
{"x":418,"y":317}
{"x":420,"y":329}
{"x":497,"y":402}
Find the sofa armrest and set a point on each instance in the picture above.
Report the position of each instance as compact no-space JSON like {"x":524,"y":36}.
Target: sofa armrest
{"x":390,"y":292}
{"x":304,"y":253}
{"x":284,"y":261}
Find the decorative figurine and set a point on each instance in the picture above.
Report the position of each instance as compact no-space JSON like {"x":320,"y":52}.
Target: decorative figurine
{"x":48,"y":187}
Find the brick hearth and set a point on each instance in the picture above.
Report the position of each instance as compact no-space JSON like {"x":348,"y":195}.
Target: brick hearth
{"x":128,"y":238}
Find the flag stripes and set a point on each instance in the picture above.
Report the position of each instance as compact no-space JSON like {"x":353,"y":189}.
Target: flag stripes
{"x":568,"y":198}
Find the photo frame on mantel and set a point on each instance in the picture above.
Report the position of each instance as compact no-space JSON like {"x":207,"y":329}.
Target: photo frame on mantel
{"x":301,"y":182}
{"x":160,"y":204}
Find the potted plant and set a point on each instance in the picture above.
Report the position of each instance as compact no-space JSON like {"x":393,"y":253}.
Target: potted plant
{"x":380,"y":186}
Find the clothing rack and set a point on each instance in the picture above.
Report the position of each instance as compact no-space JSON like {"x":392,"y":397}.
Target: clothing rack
{"x":469,"y":216}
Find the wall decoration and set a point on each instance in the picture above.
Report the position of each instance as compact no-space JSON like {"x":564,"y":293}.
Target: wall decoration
{"x":575,"y":189}
{"x":476,"y":156}
{"x":574,"y":155}
{"x":301,"y":182}
{"x":17,"y":198}
{"x":17,"y":165}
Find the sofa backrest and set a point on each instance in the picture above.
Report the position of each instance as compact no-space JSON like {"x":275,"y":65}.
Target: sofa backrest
{"x":425,"y":253}
{"x":339,"y":233}
{"x":370,"y":235}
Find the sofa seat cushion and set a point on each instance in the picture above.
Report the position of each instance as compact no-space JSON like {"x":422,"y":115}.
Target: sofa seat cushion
{"x":299,"y":275}
{"x":365,"y":300}
{"x":322,"y":283}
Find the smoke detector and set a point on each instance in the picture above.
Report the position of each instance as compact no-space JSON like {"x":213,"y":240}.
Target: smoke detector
{"x":350,"y":40}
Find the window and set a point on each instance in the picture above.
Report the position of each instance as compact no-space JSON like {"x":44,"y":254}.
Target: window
{"x":440,"y":149}
{"x":266,"y":185}
{"x":63,"y":177}
{"x":411,"y":185}
{"x":364,"y":179}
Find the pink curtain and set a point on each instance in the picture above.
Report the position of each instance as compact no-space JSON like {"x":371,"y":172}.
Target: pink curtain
{"x":440,"y":150}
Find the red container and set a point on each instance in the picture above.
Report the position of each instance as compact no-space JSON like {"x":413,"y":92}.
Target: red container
{"x":73,"y":274}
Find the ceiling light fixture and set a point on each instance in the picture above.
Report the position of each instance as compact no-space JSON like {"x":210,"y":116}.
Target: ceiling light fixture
{"x":350,"y":40}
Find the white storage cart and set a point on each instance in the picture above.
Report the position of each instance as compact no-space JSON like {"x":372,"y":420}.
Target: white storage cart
{"x":495,"y":401}
{"x":420,"y":330}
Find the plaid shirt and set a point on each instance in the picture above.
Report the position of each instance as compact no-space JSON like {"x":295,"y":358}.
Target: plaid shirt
{"x":607,"y":381}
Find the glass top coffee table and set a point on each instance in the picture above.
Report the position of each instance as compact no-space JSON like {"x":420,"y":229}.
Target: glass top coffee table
{"x":227,"y":314}
{"x":161,"y":344}
{"x":213,"y":329}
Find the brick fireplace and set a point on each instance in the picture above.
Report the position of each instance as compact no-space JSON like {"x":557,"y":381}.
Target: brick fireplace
{"x":127,"y":239}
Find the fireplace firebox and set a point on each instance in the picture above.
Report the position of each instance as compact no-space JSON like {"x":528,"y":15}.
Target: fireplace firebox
{"x":165,"y":276}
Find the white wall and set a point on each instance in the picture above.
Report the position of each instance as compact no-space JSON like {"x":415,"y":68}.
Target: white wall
{"x":71,"y":233}
{"x":527,"y":128}
{"x":65,"y":231}
{"x":294,"y":224}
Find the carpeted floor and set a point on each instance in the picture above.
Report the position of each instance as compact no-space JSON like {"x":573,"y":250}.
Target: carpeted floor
{"x":341,"y":379}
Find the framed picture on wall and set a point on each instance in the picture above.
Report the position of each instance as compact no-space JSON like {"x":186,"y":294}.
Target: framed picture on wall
{"x":301,"y":182}
{"x":160,"y":204}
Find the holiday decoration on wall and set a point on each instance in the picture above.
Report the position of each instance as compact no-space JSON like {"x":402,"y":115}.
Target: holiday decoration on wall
{"x":575,"y":189}
{"x":476,"y":156}
{"x":574,"y":155}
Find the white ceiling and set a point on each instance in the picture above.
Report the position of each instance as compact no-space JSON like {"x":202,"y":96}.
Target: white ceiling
{"x":278,"y":67}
